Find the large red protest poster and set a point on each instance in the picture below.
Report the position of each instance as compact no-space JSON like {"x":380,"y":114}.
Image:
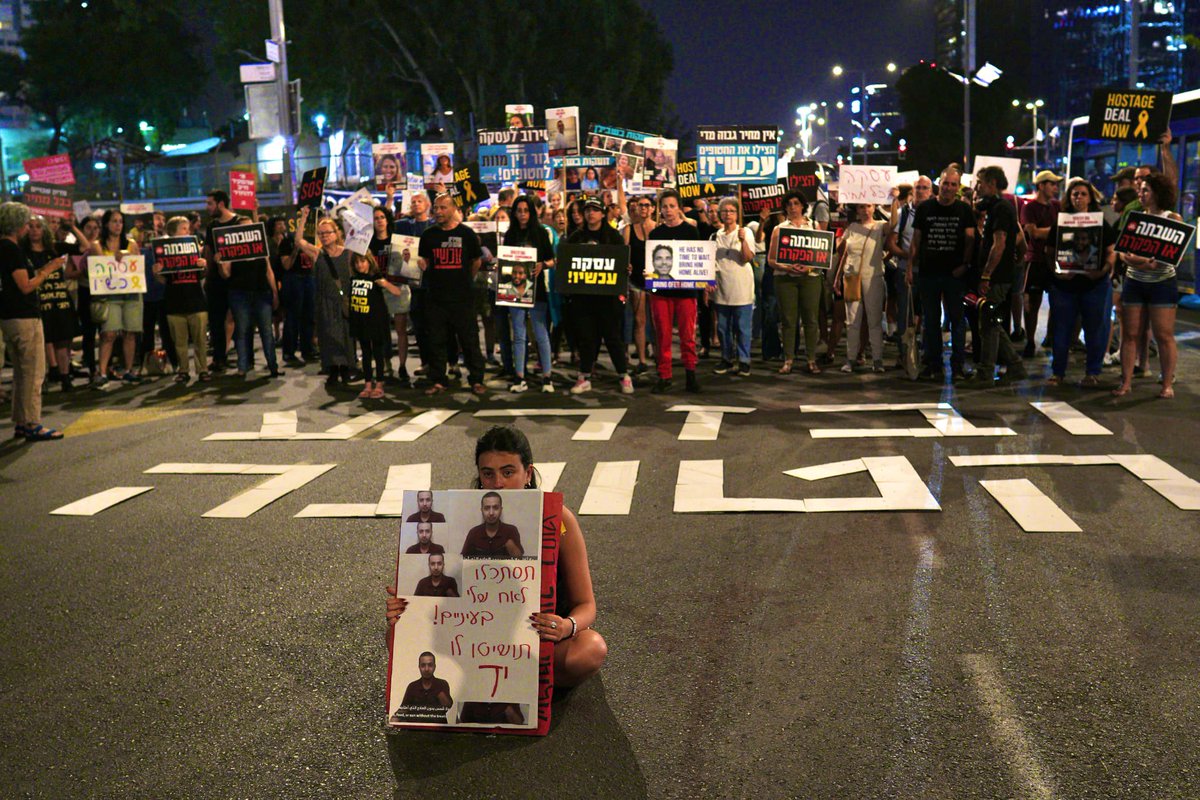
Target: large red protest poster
{"x":472,"y":567}
{"x":50,"y":169}
{"x":242,"y":191}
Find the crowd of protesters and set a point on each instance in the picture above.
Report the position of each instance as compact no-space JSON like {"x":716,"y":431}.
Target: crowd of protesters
{"x":954,"y":264}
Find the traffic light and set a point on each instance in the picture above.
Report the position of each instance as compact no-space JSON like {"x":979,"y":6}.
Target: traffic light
{"x":1010,"y":143}
{"x":902,"y":149}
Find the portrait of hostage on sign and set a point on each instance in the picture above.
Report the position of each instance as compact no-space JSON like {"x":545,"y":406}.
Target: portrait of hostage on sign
{"x":662,"y":258}
{"x":514,"y":286}
{"x":425,"y":511}
{"x":391,"y":165}
{"x":425,"y":538}
{"x":430,"y":575}
{"x":428,"y":698}
{"x":492,"y":537}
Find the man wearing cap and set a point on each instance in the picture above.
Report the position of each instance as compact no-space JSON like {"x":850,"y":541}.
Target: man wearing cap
{"x":1038,"y":216}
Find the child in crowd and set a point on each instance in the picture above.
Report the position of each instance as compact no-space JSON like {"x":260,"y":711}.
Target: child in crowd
{"x":370,"y":322}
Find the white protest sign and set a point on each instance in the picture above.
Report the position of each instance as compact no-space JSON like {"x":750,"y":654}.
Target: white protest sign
{"x":513,"y":278}
{"x":82,"y":209}
{"x":865,"y":183}
{"x":110,"y":275}
{"x":464,"y":653}
{"x":403,"y":259}
{"x":358,"y":231}
{"x":1011,"y":167}
{"x":135,"y":209}
{"x":676,"y":264}
{"x":908,"y":176}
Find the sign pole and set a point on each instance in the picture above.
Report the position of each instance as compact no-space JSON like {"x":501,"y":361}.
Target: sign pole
{"x":285,"y":112}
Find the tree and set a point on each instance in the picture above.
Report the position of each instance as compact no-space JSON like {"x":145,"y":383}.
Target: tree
{"x":103,"y":64}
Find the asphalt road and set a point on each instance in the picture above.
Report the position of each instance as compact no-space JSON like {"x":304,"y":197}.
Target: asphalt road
{"x":147,"y":652}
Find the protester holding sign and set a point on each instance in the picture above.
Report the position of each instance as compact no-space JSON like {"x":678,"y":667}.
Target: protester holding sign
{"x":734,"y":295}
{"x":860,"y":278}
{"x":414,"y":226}
{"x":1150,"y":293}
{"x":118,"y":314}
{"x":598,"y":317}
{"x":84,"y":233}
{"x":525,"y":231}
{"x":942,"y":244}
{"x":370,"y":323}
{"x":450,"y":257}
{"x":641,"y":222}
{"x":21,"y":323}
{"x":184,"y":301}
{"x":59,"y":323}
{"x":673,"y":307}
{"x":331,"y":265}
{"x":1082,"y":245}
{"x":798,"y":289}
{"x":504,"y":461}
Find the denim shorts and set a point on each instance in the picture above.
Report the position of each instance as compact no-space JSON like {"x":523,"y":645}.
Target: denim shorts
{"x":1162,"y":294}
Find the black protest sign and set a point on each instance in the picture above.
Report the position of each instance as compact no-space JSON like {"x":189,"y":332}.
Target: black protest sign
{"x":687,"y":182}
{"x":49,"y":200}
{"x":805,"y":178}
{"x":757,"y":198}
{"x":176,"y":254}
{"x":805,"y":248}
{"x":1154,"y":237}
{"x":241,"y":242}
{"x":467,"y":190}
{"x":1129,"y":115}
{"x":312,"y":187}
{"x":593,"y":269}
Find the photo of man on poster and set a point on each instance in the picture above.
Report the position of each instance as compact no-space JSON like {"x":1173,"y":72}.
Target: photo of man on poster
{"x":427,"y":699}
{"x":494,"y":538}
{"x":425,"y":544}
{"x":661,"y":260}
{"x":425,"y":512}
{"x":437,"y":583}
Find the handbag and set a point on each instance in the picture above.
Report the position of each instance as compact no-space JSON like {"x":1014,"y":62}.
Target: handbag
{"x":337,"y":281}
{"x":99,"y":311}
{"x":852,"y":282}
{"x":908,"y":342}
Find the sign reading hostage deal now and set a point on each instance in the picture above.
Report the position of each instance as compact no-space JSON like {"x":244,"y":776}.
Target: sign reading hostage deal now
{"x":1154,"y":237}
{"x":594,"y":268}
{"x":241,"y":242}
{"x":1129,"y":115}
{"x":805,"y":248}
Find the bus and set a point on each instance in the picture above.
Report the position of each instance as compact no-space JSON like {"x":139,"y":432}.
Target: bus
{"x":1098,"y":159}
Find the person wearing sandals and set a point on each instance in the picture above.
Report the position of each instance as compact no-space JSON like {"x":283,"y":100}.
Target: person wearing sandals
{"x":124,"y":311}
{"x":797,"y":289}
{"x":1081,"y":287}
{"x":860,"y":262}
{"x":450,"y":255}
{"x":186,"y":307}
{"x":21,"y":323}
{"x":370,"y":320}
{"x":1150,"y":294}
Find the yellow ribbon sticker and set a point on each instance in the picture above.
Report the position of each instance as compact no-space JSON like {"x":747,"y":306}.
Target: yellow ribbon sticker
{"x":469,"y":190}
{"x":1140,"y":130}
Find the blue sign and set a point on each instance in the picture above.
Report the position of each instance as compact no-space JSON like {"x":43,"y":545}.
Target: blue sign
{"x":737,"y":154}
{"x":515,"y":155}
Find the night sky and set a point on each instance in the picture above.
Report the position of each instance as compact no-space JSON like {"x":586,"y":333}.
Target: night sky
{"x":754,"y":62}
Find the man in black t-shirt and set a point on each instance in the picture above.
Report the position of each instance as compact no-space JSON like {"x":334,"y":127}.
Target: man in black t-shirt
{"x":942,"y":242}
{"x":997,"y":245}
{"x":450,"y":255}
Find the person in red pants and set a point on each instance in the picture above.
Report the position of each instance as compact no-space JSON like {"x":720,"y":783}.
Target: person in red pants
{"x":673,"y":307}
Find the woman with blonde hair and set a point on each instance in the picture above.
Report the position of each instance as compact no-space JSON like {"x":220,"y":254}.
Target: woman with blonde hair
{"x":331,"y":264}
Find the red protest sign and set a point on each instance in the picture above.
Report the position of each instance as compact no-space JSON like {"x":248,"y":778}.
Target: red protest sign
{"x":242,"y":191}
{"x":50,"y":169}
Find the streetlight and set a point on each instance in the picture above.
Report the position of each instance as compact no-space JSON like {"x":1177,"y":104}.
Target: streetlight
{"x":891,"y":67}
{"x":837,"y":71}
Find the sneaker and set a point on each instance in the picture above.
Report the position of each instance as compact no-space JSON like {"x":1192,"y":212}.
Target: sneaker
{"x":130,"y":378}
{"x":877,"y":367}
{"x":582,"y":385}
{"x":1017,"y":336}
{"x":744,"y":369}
{"x":519,"y":387}
{"x":548,"y":387}
{"x":1029,"y":350}
{"x":64,"y":383}
{"x":639,"y":368}
{"x":277,"y":373}
{"x":847,"y":368}
{"x":662,"y":385}
{"x":626,"y":384}
{"x":692,"y":385}
{"x":100,"y":382}
{"x":722,"y":368}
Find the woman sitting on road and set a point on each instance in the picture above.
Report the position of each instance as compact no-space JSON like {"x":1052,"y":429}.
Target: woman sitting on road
{"x":503,"y":460}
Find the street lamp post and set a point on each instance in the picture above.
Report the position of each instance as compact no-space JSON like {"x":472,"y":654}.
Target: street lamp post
{"x":285,"y":108}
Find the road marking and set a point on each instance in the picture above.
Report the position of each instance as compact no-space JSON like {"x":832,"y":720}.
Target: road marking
{"x":610,"y":492}
{"x":95,"y":503}
{"x":337,"y":510}
{"x":418,"y":426}
{"x":105,"y":419}
{"x":402,"y":478}
{"x":597,"y":427}
{"x":900,"y":489}
{"x":834,"y":469}
{"x":943,"y":419}
{"x":1030,"y":778}
{"x":281,"y":426}
{"x":1071,"y":420}
{"x":287,"y":478}
{"x":1022,"y":460}
{"x":1030,"y":507}
{"x":703,"y":423}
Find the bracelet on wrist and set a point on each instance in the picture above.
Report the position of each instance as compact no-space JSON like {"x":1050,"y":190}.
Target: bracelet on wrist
{"x":574,"y":628}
